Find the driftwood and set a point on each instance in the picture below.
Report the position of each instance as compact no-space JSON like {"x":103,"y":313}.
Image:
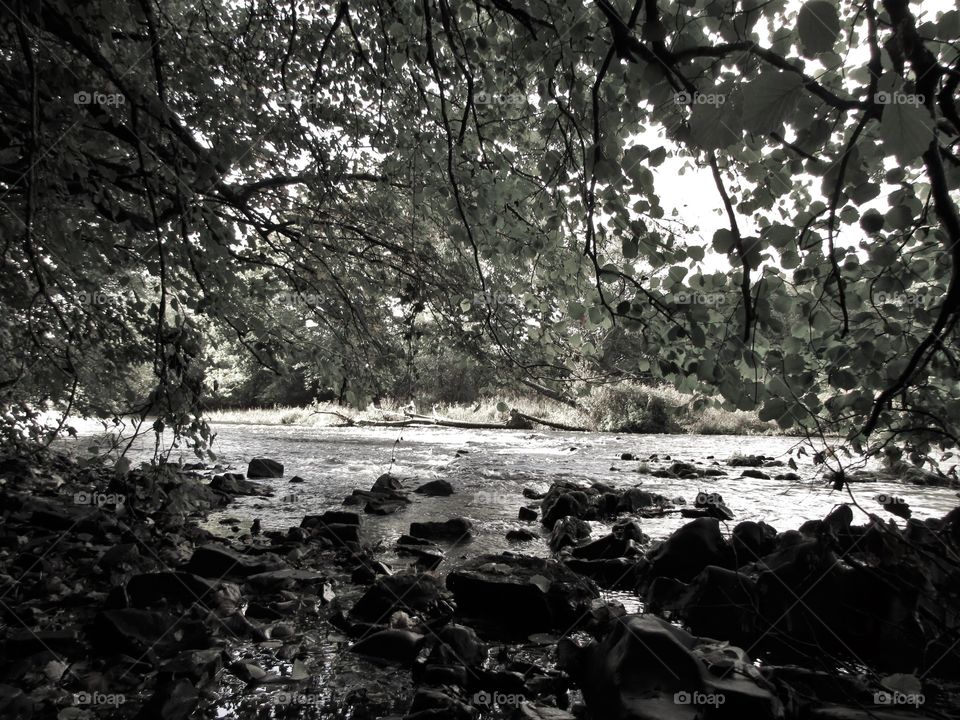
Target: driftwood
{"x":416,"y":420}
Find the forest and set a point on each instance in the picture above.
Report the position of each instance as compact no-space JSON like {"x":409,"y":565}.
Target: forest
{"x":627,"y":216}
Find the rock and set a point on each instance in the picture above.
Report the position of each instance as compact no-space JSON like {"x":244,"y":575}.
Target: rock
{"x":458,"y":645}
{"x":337,"y":532}
{"x":531,"y":494}
{"x":235,"y":484}
{"x":338,"y":517}
{"x":527,"y":514}
{"x":612,"y":574}
{"x":520,"y":593}
{"x":455,"y":529}
{"x":647,"y":669}
{"x":787,"y":476}
{"x":627,"y":456}
{"x":629,"y":529}
{"x":751,"y":541}
{"x":635,"y":499}
{"x":720,"y":603}
{"x":296,"y":479}
{"x":414,"y":594}
{"x":218,"y":561}
{"x":435,"y":705}
{"x":393,"y":645}
{"x":387,"y":482}
{"x":688,"y":551}
{"x":435,"y":488}
{"x":758,"y":474}
{"x":562,"y":501}
{"x":384,"y":502}
{"x":274,"y":581}
{"x":531,"y":711}
{"x":746,"y":461}
{"x":520,"y":535}
{"x":568,"y":531}
{"x":608,"y":547}
{"x":172,"y":700}
{"x":143,"y":633}
{"x":179,"y":588}
{"x":264,"y":468}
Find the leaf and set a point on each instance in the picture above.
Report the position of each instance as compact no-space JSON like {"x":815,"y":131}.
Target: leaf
{"x":769,"y":99}
{"x":906,"y":130}
{"x":818,"y":24}
{"x":723,"y":241}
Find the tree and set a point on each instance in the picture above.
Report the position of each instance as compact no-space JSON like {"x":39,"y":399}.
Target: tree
{"x":385,"y":158}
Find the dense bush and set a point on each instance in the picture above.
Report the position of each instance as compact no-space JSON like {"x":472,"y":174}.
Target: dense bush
{"x":630,"y":408}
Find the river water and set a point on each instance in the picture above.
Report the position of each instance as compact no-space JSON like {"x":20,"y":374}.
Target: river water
{"x":489,"y":469}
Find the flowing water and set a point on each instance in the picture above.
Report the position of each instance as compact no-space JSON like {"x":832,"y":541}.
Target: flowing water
{"x":489,"y":470}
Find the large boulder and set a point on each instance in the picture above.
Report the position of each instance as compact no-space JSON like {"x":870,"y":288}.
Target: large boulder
{"x":393,"y":645}
{"x":647,"y":669}
{"x":435,"y":488}
{"x":568,"y":531}
{"x":520,"y":593}
{"x":414,"y":594}
{"x":688,"y":551}
{"x":264,"y":468}
{"x":563,"y":500}
{"x":455,"y":529}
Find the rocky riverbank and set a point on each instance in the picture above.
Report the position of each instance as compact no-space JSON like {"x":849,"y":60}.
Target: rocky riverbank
{"x":116,"y":604}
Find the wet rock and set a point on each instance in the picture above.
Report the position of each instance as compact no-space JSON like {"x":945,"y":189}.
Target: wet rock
{"x":612,"y":574}
{"x":236,"y":484}
{"x":458,"y":645}
{"x":560,"y":503}
{"x":629,"y":529}
{"x":296,"y":479}
{"x":520,"y":593}
{"x":721,"y":603}
{"x":334,"y":517}
{"x":414,"y":594}
{"x":527,"y":514}
{"x":628,"y":456}
{"x":337,"y":532}
{"x":751,"y":541}
{"x":435,"y":488}
{"x":274,"y":581}
{"x":387,"y":482}
{"x":217,"y":561}
{"x":531,"y":494}
{"x":142,"y":633}
{"x":385,"y":502}
{"x":746,"y":461}
{"x":757,"y":474}
{"x":635,"y":499}
{"x":647,"y":669}
{"x":568,"y":531}
{"x":455,"y":529}
{"x":394,"y":645}
{"x":607,"y":547}
{"x":787,"y":476}
{"x":535,"y":711}
{"x":520,"y":535}
{"x":435,"y":705}
{"x":180,"y":588}
{"x":264,"y":468}
{"x":688,"y":551}
{"x":172,"y":700}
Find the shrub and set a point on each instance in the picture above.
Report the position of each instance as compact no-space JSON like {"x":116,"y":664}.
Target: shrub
{"x":631,"y":408}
